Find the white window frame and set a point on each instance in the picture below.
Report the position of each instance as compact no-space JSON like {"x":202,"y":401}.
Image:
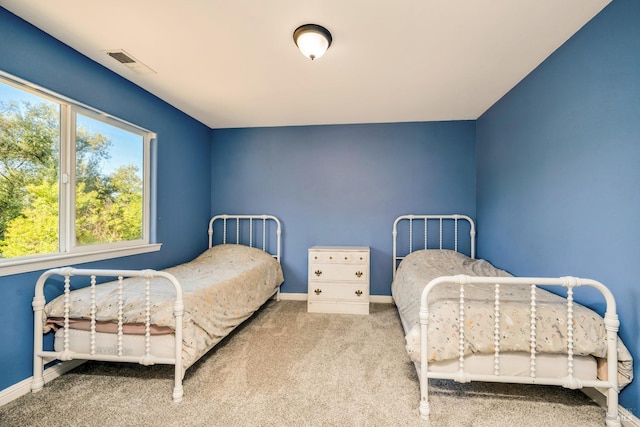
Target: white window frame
{"x":69,"y":253}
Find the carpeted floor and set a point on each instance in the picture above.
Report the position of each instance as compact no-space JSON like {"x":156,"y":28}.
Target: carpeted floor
{"x":286,"y":367}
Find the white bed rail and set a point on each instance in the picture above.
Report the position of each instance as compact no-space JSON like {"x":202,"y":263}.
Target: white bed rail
{"x":444,"y":242}
{"x":66,"y":354}
{"x":610,"y":320}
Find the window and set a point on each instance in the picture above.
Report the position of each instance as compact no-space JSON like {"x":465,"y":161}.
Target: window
{"x":74,"y":182}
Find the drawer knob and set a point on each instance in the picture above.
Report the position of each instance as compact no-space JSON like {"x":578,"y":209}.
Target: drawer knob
{"x":358,"y":274}
{"x":359,"y":292}
{"x":318,"y":291}
{"x":317,"y":273}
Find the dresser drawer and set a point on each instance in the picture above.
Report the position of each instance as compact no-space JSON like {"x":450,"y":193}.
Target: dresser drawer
{"x":342,"y":292}
{"x":338,"y":257}
{"x":338,"y":272}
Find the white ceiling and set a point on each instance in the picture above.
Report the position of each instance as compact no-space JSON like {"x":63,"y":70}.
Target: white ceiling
{"x":234,"y":63}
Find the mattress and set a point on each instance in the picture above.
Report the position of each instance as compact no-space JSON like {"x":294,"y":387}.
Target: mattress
{"x":420,"y":267}
{"x":221,"y":288}
{"x":518,"y":364}
{"x":162,"y":346}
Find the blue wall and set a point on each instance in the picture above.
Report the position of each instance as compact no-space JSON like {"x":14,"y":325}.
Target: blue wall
{"x":183,"y":162}
{"x":343,"y":184}
{"x":558,"y":163}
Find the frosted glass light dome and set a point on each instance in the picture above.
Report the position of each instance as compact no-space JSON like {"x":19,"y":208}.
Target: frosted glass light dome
{"x":312,"y":40}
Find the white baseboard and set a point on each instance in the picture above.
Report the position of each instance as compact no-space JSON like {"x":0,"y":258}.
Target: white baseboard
{"x":626,"y":417}
{"x":293,"y":297}
{"x":303,"y":297}
{"x":17,"y":390}
{"x":384,"y":299}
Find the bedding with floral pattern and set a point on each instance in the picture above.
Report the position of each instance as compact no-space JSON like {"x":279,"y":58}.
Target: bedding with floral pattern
{"x":420,"y":267}
{"x":221,"y":288}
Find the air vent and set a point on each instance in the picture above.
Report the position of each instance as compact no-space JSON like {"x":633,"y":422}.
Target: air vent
{"x":121,"y":57}
{"x":129,"y":61}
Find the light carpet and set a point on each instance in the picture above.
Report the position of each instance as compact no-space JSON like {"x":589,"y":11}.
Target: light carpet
{"x":287,"y":367}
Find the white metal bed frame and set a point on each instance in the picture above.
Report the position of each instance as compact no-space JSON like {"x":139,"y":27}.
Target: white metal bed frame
{"x":610,"y":320}
{"x":41,"y":356}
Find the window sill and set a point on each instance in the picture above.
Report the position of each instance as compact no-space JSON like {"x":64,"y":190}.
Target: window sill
{"x":8,"y":267}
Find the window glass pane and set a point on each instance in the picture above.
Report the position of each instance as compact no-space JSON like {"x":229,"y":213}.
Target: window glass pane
{"x":109,"y":191}
{"x":73,"y":181}
{"x":29,"y":163}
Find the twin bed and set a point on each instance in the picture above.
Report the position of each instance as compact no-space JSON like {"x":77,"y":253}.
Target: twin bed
{"x":173,"y":316}
{"x":466,"y":320}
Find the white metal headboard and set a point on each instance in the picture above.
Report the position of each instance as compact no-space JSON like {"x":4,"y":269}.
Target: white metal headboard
{"x":256,"y":223}
{"x":439,"y":221}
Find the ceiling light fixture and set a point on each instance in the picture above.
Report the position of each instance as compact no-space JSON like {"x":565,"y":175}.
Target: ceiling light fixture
{"x":312,"y":40}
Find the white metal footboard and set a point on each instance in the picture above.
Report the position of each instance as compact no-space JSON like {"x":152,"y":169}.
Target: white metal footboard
{"x":67,"y":354}
{"x":610,"y":320}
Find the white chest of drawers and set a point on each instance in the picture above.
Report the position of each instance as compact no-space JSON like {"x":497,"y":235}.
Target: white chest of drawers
{"x":338,"y":279}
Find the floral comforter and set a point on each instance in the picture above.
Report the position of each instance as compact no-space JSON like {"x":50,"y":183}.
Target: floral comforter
{"x":420,"y":267}
{"x":221,"y":288}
